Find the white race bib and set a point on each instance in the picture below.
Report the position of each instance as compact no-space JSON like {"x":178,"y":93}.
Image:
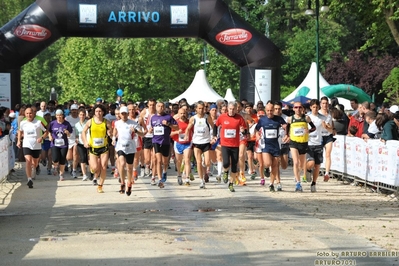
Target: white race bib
{"x":230,"y":133}
{"x":125,"y":144}
{"x":159,"y":131}
{"x":271,"y":133}
{"x":59,"y":142}
{"x":31,"y":133}
{"x":181,"y":137}
{"x":200,"y":130}
{"x":98,"y":141}
{"x":299,"y":132}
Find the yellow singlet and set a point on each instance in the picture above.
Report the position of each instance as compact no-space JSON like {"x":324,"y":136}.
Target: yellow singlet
{"x":98,"y":134}
{"x":297,"y":129}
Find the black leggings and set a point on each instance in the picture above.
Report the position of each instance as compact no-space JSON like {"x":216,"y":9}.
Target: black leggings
{"x":59,"y":155}
{"x":230,"y":153}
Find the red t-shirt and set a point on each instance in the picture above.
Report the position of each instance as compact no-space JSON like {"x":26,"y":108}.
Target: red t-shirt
{"x":230,"y":129}
{"x":182,"y":127}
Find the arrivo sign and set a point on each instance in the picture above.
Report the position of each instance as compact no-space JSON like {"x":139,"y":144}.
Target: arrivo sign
{"x":234,"y":36}
{"x":32,"y":33}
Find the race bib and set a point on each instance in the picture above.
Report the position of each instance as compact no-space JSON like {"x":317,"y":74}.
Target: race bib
{"x":181,"y":137}
{"x":125,"y":144}
{"x":271,"y":133}
{"x":159,"y":131}
{"x":299,"y":132}
{"x":262,"y":143}
{"x":230,"y":133}
{"x":59,"y":142}
{"x":31,"y":133}
{"x":98,"y":141}
{"x":200,"y":130}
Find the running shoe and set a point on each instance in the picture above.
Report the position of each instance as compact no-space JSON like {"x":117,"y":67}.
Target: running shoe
{"x":298,"y":187}
{"x":142,"y":171}
{"x":179,"y":180}
{"x":112,"y":170}
{"x":30,"y":183}
{"x":147,"y":170}
{"x":164,"y":177}
{"x":129,"y":190}
{"x":218,"y":179}
{"x":122,"y":190}
{"x":225,"y":177}
{"x":231,"y":187}
{"x":271,"y":188}
{"x":326,"y":177}
{"x":279,"y":187}
{"x":304,"y":180}
{"x":91,"y":176}
{"x":66,"y":167}
{"x":153,"y":182}
{"x":242,"y":177}
{"x":202,"y":185}
{"x":44,"y":162}
{"x":206,"y":177}
{"x":313,"y":188}
{"x":74,"y":175}
{"x":85,"y":178}
{"x":48,"y":171}
{"x":267,"y":172}
{"x":136,"y":177}
{"x":262,"y":182}
{"x":187,"y":182}
{"x":160,"y":184}
{"x":38,"y":170}
{"x":192,"y":177}
{"x":100,"y":189}
{"x":61,"y":178}
{"x":253,"y":175}
{"x":95,"y":182}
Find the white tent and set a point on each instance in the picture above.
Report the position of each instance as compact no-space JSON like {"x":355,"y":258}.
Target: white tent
{"x":199,"y":90}
{"x":229,"y":96}
{"x":308,"y":88}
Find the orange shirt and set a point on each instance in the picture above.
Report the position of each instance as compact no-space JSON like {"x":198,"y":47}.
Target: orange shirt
{"x":255,"y":118}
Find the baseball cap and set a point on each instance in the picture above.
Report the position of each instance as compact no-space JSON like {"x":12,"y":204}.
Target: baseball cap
{"x":99,"y":100}
{"x":74,"y":107}
{"x":393,"y":109}
{"x":12,"y":115}
{"x":123,"y":109}
{"x":59,"y":112}
{"x":213,"y":106}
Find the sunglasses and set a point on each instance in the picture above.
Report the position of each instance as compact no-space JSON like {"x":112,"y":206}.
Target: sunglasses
{"x":296,"y":107}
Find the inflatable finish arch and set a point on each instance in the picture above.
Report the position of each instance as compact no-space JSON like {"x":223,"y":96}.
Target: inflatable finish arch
{"x":45,"y":21}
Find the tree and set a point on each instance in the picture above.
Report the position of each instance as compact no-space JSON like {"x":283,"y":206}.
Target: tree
{"x":390,"y":87}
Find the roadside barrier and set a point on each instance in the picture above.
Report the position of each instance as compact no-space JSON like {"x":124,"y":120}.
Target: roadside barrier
{"x":7,"y":159}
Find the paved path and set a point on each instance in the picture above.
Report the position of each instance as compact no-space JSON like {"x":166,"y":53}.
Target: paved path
{"x":69,"y":223}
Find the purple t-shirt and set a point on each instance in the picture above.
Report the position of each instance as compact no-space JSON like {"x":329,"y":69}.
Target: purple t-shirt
{"x":56,"y":130}
{"x":161,"y":132}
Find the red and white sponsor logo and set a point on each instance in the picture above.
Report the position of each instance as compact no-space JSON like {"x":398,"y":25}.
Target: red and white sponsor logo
{"x":234,"y":36}
{"x":32,"y":33}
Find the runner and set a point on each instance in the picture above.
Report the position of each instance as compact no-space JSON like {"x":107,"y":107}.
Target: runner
{"x":284,"y":145}
{"x":31,"y":129}
{"x":201,"y":125}
{"x":328,"y":135}
{"x":183,"y":148}
{"x":270,"y":125}
{"x":161,"y":126}
{"x":231,"y":125}
{"x":82,"y":150}
{"x":72,"y":155}
{"x":100,"y":130}
{"x":251,"y":141}
{"x":299,"y":136}
{"x":60,"y":130}
{"x":145,"y":118}
{"x":125,"y":130}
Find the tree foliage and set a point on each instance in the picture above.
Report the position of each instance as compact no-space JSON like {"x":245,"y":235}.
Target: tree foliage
{"x":390,"y":87}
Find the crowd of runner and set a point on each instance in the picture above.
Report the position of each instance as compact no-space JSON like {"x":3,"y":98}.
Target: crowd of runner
{"x":214,"y":142}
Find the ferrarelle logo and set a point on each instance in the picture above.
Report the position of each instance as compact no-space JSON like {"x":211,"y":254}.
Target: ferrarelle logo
{"x":32,"y":33}
{"x":133,"y":17}
{"x":234,"y":37}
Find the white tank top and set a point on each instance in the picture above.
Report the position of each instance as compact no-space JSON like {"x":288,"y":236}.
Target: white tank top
{"x":202,"y":132}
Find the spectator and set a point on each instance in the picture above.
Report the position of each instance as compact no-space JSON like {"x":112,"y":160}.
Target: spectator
{"x":340,"y":125}
{"x":388,"y":127}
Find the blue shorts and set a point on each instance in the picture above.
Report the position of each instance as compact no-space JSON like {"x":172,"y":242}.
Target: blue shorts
{"x":46,"y":145}
{"x":214,"y":145}
{"x":179,"y":148}
{"x":272,"y":150}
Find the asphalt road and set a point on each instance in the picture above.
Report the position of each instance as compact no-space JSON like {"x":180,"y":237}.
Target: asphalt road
{"x":69,"y":223}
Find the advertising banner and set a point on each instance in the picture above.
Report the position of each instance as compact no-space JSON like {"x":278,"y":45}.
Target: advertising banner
{"x":5,"y":90}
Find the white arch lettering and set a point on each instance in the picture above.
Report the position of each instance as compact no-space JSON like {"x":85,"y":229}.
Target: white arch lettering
{"x":133,"y":17}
